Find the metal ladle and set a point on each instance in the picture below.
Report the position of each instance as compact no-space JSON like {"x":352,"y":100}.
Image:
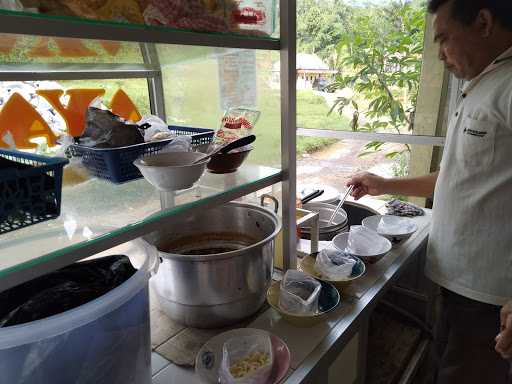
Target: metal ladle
{"x":349,"y":190}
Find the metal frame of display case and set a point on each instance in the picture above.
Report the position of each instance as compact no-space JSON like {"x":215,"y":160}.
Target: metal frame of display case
{"x":19,"y":23}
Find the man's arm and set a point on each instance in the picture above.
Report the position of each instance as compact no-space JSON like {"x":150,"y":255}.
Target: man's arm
{"x":504,"y":339}
{"x":370,"y":184}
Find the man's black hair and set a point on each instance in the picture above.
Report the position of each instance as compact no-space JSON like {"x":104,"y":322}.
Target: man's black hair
{"x":466,"y":11}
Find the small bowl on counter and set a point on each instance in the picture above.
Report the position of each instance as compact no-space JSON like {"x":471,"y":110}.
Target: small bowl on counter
{"x":397,"y":229}
{"x":173,"y":170}
{"x":328,"y":301}
{"x":307,"y":265}
{"x":227,"y":162}
{"x":381,"y":247}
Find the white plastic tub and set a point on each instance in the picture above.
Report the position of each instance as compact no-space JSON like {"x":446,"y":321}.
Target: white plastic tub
{"x":106,"y":341}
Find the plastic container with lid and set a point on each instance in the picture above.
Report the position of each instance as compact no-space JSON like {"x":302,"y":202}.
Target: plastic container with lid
{"x":106,"y":341}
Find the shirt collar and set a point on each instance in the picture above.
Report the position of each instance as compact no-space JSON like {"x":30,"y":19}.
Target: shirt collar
{"x":498,"y":62}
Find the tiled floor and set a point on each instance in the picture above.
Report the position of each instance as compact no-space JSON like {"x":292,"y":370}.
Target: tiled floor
{"x":174,"y":375}
{"x":158,"y":363}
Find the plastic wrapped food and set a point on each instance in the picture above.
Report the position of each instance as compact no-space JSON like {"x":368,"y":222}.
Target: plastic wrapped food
{"x":299,"y":293}
{"x":334,"y":264}
{"x":105,"y":130}
{"x":236,"y":123}
{"x":197,"y":15}
{"x":254,"y":17}
{"x":116,"y":10}
{"x":64,"y":7}
{"x":246,"y":360}
{"x":63,"y":290}
{"x":158,"y":129}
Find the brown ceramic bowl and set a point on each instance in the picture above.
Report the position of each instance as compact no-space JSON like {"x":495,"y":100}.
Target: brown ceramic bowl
{"x":227,"y":162}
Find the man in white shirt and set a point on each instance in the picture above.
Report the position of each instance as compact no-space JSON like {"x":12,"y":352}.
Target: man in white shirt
{"x":470,"y":245}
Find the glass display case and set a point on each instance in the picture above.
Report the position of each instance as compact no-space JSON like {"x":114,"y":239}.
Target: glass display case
{"x":185,"y":74}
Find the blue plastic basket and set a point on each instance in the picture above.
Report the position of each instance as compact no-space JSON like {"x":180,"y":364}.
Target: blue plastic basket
{"x":32,"y":195}
{"x":116,"y":164}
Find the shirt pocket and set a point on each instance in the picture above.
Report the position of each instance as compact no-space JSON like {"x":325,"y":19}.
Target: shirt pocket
{"x":475,"y":149}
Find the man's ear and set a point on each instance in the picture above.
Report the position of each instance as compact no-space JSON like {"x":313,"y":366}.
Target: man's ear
{"x":485,"y":22}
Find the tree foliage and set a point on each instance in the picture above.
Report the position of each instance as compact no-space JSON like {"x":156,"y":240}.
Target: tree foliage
{"x":320,"y":25}
{"x":380,"y":58}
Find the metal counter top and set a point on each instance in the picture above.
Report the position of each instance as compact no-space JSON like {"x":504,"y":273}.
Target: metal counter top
{"x":314,"y":349}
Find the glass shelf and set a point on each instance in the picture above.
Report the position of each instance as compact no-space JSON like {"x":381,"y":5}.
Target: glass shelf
{"x":69,"y":26}
{"x":97,"y":215}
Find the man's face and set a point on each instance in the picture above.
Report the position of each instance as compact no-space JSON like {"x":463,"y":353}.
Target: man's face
{"x":460,"y":46}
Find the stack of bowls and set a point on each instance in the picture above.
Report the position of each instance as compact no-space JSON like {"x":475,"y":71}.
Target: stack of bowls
{"x":327,"y":231}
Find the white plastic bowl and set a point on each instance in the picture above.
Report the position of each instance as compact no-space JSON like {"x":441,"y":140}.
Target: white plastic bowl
{"x":173,"y":170}
{"x":382,"y":247}
{"x":404,"y":227}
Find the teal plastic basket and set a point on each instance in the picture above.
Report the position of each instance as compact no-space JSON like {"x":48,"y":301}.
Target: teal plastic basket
{"x":30,"y":195}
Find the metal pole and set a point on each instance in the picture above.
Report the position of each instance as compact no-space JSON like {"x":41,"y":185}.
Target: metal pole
{"x":288,"y":11}
{"x":155,"y":84}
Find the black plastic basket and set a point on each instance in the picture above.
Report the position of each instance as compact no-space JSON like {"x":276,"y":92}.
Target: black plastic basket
{"x":116,"y":164}
{"x":32,"y":194}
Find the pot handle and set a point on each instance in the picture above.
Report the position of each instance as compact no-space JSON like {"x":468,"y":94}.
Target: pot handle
{"x":274,"y":200}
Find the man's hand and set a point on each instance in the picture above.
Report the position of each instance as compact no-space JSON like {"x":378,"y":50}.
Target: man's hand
{"x":370,"y":184}
{"x":367,"y":184}
{"x":504,"y":339}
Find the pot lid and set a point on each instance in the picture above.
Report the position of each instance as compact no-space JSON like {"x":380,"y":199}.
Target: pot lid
{"x":330,"y":195}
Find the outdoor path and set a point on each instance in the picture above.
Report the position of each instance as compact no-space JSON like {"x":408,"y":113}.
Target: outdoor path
{"x":336,"y":163}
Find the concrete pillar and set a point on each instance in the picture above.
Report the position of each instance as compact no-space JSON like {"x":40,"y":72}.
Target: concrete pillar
{"x":431,"y":107}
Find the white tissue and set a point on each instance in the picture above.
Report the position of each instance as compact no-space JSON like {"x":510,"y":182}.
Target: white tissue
{"x":364,"y":242}
{"x":394,"y":226}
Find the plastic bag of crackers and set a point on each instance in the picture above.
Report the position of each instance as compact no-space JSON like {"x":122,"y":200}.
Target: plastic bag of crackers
{"x":235,"y":124}
{"x":246,"y":360}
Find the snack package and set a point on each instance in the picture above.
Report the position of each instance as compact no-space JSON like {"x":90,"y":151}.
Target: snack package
{"x":158,"y":129}
{"x":197,"y":15}
{"x":246,"y":360}
{"x":363,"y":241}
{"x":299,"y":293}
{"x":11,"y":5}
{"x":334,"y":264}
{"x":235,"y":124}
{"x":254,"y":17}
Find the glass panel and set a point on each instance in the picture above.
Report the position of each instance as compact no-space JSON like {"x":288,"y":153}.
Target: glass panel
{"x":60,"y":107}
{"x":25,"y":49}
{"x":250,"y":17}
{"x":333,"y":163}
{"x":372,"y":76}
{"x":200,"y":83}
{"x":93,"y":209}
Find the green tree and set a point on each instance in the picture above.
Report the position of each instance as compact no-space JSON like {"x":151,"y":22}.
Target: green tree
{"x":320,"y":25}
{"x":380,"y":57}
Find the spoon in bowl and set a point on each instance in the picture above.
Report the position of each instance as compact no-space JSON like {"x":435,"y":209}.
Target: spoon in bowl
{"x":349,"y":190}
{"x":241,"y":142}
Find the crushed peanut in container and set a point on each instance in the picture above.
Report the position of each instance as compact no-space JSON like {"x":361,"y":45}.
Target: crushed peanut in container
{"x":249,"y":364}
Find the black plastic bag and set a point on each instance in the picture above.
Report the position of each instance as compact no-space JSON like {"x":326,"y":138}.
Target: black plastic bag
{"x":103,"y":129}
{"x":63,"y":290}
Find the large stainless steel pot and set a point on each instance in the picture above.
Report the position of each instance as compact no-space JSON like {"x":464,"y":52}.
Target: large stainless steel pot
{"x":325,"y":211}
{"x":216,"y":266}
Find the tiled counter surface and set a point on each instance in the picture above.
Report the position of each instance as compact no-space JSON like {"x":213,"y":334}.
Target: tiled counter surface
{"x":312,"y":349}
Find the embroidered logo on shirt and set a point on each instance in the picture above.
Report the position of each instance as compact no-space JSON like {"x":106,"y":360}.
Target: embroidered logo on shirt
{"x":473,"y":132}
